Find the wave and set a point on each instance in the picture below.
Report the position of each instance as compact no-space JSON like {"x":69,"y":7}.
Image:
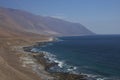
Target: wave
{"x":62,"y":66}
{"x":58,"y":39}
{"x":34,"y":50}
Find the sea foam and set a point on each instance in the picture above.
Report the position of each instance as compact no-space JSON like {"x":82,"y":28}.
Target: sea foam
{"x":62,"y":66}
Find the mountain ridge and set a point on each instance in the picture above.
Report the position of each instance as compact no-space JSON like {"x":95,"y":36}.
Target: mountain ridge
{"x":19,"y":21}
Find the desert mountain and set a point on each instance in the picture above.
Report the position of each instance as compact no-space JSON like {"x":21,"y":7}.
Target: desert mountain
{"x":18,"y":22}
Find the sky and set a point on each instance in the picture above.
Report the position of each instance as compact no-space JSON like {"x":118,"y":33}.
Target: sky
{"x":100,"y":16}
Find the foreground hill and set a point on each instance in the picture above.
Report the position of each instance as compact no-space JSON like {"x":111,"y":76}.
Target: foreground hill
{"x":17,"y":22}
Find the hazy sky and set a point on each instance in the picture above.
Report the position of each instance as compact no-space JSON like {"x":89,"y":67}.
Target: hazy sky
{"x":100,"y":16}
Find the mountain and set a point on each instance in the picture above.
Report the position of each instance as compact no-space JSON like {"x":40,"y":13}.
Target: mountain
{"x":18,"y":22}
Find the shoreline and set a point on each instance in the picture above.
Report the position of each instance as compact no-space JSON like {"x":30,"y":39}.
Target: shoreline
{"x":10,"y":64}
{"x":38,"y":57}
{"x":26,"y":64}
{"x":16,"y":64}
{"x":27,"y":61}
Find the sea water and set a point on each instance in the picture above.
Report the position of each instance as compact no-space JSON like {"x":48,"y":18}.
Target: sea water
{"x":97,"y":56}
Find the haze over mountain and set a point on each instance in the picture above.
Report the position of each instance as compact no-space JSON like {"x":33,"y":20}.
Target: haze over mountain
{"x":18,"y":22}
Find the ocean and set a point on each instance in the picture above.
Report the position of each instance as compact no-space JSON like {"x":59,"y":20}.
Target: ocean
{"x":97,"y":56}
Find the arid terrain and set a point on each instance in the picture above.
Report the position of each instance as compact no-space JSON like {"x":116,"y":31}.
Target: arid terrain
{"x":20,"y":21}
{"x":21,"y":28}
{"x":10,"y":64}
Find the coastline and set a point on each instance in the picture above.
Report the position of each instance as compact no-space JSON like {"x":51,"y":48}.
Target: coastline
{"x":10,"y":64}
{"x":27,"y":60}
{"x":41,"y":65}
{"x":21,"y":65}
{"x":12,"y":57}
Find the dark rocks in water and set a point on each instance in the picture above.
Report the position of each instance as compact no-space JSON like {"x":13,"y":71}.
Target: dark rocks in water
{"x":28,"y":49}
{"x":41,"y":43}
{"x":40,"y":57}
{"x":58,"y":75}
{"x":69,"y":76}
{"x":38,"y":44}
